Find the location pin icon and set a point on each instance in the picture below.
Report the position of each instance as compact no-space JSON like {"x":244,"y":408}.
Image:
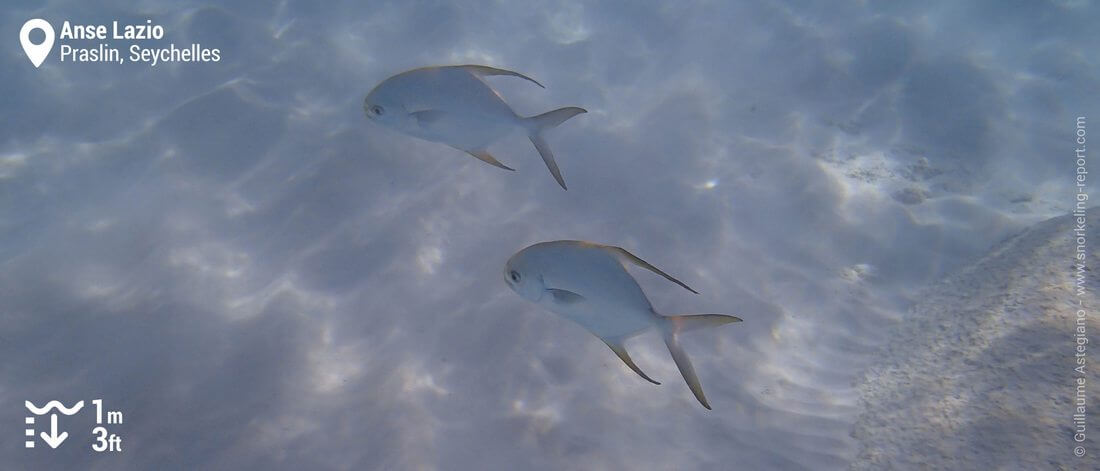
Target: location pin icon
{"x":36,"y":52}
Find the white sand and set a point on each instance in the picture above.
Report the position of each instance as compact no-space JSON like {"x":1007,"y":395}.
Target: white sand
{"x":979,"y":375}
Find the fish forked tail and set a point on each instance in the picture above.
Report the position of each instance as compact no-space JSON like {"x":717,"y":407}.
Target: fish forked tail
{"x":673,"y":325}
{"x":535,"y":127}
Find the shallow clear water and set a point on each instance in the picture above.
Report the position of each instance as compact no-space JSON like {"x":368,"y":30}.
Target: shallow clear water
{"x":258,"y":277}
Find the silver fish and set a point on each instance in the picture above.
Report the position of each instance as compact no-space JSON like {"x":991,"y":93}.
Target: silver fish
{"x":453,"y":105}
{"x":587,"y":283}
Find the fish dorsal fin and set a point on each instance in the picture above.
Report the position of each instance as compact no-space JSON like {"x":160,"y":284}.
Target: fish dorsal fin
{"x":617,"y":347}
{"x":486,"y":157}
{"x":484,"y":70}
{"x":623,"y":253}
{"x":562,"y":296}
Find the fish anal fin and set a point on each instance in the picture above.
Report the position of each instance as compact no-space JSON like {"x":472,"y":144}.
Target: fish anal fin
{"x":484,"y":70}
{"x":617,"y":347}
{"x":488,"y":158}
{"x":644,"y":264}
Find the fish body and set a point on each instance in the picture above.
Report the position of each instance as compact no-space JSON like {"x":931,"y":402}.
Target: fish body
{"x":588,"y":284}
{"x":448,"y":105}
{"x":453,"y":105}
{"x":613,"y":303}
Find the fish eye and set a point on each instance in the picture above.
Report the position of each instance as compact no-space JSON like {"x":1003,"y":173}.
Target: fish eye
{"x":514,"y":275}
{"x":377,"y":110}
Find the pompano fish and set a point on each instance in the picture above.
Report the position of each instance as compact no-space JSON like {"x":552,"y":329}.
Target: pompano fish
{"x":587,"y":283}
{"x":453,"y":105}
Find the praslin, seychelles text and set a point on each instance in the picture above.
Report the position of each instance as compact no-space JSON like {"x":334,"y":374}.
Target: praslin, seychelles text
{"x":105,"y":52}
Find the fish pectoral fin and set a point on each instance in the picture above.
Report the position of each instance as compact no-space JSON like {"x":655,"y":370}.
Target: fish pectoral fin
{"x":484,"y":156}
{"x":562,"y":296}
{"x":644,"y":264}
{"x":617,"y":347}
{"x":426,"y":118}
{"x":484,"y":70}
